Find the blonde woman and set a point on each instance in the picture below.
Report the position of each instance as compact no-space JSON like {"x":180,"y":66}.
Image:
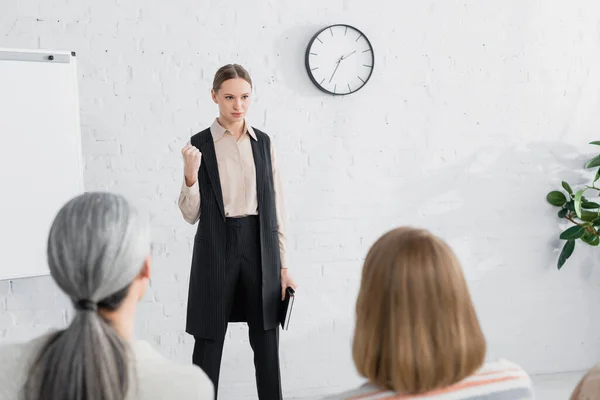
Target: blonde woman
{"x":417,"y":334}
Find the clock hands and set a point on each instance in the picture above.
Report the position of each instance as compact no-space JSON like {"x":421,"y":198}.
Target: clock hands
{"x":344,"y":57}
{"x":336,"y":67}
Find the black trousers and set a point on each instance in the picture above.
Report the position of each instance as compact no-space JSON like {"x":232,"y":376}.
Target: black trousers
{"x":243,"y":278}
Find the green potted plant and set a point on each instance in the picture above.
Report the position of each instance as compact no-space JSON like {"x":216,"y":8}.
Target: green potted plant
{"x":579,"y":211}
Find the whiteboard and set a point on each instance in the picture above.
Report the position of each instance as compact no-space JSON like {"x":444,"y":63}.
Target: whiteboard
{"x":40,"y":153}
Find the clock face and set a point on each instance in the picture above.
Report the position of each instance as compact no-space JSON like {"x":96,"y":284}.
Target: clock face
{"x":339,"y":59}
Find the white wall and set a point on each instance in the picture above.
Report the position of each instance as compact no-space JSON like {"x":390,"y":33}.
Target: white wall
{"x":475,"y":110}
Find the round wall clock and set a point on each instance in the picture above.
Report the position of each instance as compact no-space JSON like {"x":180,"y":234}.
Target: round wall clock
{"x":339,"y":59}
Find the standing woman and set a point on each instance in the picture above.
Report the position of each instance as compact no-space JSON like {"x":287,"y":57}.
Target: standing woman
{"x":232,"y":189}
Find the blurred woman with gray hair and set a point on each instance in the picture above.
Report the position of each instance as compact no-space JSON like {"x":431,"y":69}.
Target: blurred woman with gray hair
{"x":99,"y":256}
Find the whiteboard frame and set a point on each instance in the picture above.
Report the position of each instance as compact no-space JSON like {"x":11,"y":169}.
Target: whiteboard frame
{"x":60,"y":56}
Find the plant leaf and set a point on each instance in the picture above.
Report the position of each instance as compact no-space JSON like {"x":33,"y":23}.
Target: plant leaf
{"x":590,"y":238}
{"x":578,"y":202}
{"x":589,"y":205}
{"x":556,"y":198}
{"x":566,"y":186}
{"x":570,"y":206}
{"x":566,"y":252}
{"x":574,"y":232}
{"x":563,"y":213}
{"x":597,"y":175}
{"x":597,"y":142}
{"x":596,"y":222}
{"x":594,"y":162}
{"x":588,"y":216}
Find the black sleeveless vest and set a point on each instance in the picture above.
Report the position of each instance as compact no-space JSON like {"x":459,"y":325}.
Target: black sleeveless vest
{"x":206,"y":311}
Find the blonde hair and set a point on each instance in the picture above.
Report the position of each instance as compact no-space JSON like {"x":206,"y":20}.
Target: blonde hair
{"x":416,"y":328}
{"x":230,"y":71}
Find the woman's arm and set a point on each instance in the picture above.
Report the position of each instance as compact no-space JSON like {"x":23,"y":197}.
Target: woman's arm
{"x":189,"y":202}
{"x":279,"y":209}
{"x":286,"y":278}
{"x":189,"y":196}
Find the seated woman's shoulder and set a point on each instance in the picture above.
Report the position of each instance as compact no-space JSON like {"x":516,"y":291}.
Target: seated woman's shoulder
{"x":504,"y":376}
{"x":192,"y":382}
{"x":502,"y":366}
{"x":159,"y":375}
{"x":178,"y":382}
{"x":499,"y":379}
{"x":22,"y":353}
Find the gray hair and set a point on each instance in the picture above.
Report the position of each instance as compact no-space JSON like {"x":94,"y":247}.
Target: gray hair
{"x":96,"y":247}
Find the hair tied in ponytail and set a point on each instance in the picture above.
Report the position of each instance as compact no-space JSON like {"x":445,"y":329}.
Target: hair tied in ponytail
{"x":86,"y":305}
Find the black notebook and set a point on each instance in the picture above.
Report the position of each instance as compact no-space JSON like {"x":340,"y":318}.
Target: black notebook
{"x":286,"y":308}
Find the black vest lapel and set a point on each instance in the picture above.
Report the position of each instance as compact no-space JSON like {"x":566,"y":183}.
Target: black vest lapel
{"x":259,"y":163}
{"x":209,"y":159}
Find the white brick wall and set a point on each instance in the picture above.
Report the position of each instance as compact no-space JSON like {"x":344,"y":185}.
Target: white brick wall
{"x":475,"y":110}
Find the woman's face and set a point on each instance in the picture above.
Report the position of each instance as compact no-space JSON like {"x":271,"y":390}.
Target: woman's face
{"x":233,"y":99}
